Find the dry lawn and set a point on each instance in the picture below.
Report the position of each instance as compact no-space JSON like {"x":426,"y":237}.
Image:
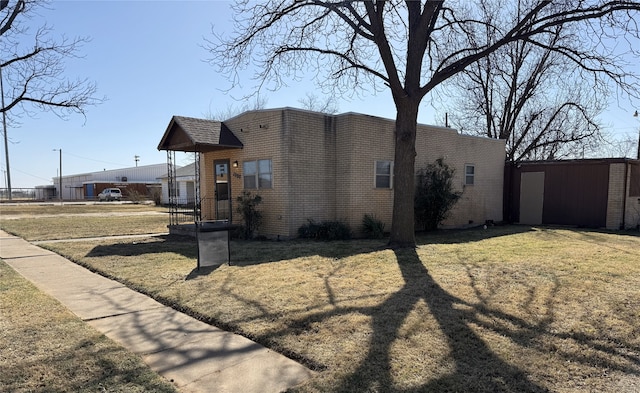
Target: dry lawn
{"x":508,"y":309}
{"x":45,"y":348}
{"x":48,"y":222}
{"x":42,"y":209}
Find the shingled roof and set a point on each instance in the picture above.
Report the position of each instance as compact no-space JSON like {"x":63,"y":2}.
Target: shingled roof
{"x":201,"y":135}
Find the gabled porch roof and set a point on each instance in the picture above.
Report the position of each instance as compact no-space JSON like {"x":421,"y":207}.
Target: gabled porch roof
{"x":197,"y":135}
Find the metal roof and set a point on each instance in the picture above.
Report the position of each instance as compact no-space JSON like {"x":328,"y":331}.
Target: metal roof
{"x":188,"y":171}
{"x":197,"y":135}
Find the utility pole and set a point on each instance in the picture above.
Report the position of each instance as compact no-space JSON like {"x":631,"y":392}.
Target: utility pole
{"x":136,"y":159}
{"x":6,"y":139}
{"x":60,"y":174}
{"x":638,"y":155}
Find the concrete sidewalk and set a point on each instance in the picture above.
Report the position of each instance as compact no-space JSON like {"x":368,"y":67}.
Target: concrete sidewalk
{"x":196,"y":356}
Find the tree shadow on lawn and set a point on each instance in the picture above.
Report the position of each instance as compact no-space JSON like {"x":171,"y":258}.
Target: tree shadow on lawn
{"x":469,"y":235}
{"x":476,"y":367}
{"x":182,"y":245}
{"x":248,"y":253}
{"x":590,"y":236}
{"x":88,"y":366}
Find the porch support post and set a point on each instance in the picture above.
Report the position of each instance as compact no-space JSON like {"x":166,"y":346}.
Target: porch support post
{"x":172,"y":184}
{"x":197,"y":214}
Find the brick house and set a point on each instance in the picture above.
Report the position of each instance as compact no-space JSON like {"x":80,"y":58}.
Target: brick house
{"x":314,"y":166}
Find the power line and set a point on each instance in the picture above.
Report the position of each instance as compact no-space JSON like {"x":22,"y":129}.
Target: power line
{"x":29,"y":174}
{"x":92,"y":159}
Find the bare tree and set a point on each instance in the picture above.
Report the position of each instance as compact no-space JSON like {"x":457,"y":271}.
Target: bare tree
{"x":532,"y":96}
{"x":410,"y":48}
{"x":314,"y":103}
{"x":221,"y":114}
{"x":617,"y":146}
{"x":32,"y":73}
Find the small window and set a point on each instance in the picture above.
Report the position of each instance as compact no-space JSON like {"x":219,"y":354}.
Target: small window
{"x":469,"y":174}
{"x":383,"y":174}
{"x":249,"y":170}
{"x":257,"y":174}
{"x":264,"y":174}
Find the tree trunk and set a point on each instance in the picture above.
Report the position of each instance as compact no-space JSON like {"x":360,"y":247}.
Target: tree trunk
{"x":402,"y":224}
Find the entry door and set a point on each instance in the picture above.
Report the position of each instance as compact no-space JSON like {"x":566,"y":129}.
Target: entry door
{"x":191,"y":191}
{"x":223,"y":190}
{"x":89,"y":191}
{"x":531,"y":197}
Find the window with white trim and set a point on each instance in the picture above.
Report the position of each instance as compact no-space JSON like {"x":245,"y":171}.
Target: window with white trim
{"x":383,"y":173}
{"x":469,"y":174}
{"x":257,"y":174}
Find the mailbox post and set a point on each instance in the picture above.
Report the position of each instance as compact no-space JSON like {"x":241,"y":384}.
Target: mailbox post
{"x":213,"y":243}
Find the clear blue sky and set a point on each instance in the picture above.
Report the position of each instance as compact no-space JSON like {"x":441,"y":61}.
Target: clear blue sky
{"x":146,"y":58}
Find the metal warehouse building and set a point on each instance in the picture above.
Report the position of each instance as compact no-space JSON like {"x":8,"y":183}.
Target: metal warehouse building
{"x":86,"y":186}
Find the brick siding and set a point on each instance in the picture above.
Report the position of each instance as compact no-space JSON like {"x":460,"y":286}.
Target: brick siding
{"x":323,"y":168}
{"x":615,"y":199}
{"x":619,"y":203}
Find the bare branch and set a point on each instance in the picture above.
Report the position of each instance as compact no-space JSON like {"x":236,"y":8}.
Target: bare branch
{"x":34,"y":74}
{"x":314,"y":103}
{"x":413,"y":47}
{"x":9,"y":14}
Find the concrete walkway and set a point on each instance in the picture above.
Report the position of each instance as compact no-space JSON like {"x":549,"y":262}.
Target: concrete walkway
{"x":195,"y":356}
